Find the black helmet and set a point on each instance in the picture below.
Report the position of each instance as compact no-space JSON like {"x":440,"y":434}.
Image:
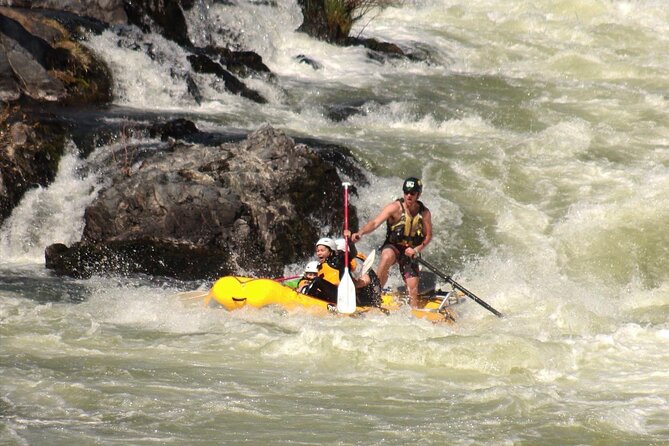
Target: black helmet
{"x":412,"y":184}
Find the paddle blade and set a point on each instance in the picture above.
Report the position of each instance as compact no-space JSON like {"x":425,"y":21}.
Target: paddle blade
{"x":369,"y":262}
{"x":193,"y":295}
{"x":346,"y":294}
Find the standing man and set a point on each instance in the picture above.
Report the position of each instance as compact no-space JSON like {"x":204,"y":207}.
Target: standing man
{"x":409,"y":230}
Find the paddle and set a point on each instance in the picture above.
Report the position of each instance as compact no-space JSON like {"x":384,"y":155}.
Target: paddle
{"x":368,"y":263}
{"x":192,"y":295}
{"x":459,"y":287}
{"x":283,"y":279}
{"x":346,"y":289}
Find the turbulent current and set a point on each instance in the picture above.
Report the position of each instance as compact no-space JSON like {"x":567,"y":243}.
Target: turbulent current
{"x":541,"y":131}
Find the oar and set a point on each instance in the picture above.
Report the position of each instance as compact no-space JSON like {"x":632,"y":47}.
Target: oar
{"x":368,"y":263}
{"x":283,"y":279}
{"x":459,"y":287}
{"x":346,"y":290}
{"x":192,"y":295}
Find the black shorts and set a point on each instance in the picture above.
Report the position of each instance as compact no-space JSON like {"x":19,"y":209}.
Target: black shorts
{"x":408,"y":267}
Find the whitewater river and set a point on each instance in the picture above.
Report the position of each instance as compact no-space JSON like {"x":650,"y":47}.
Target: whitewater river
{"x":541,"y":130}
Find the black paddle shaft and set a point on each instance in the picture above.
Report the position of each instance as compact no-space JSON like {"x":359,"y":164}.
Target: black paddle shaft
{"x":459,"y":287}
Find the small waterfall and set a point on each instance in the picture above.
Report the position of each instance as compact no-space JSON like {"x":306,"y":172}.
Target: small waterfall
{"x":200,"y":24}
{"x":50,"y":214}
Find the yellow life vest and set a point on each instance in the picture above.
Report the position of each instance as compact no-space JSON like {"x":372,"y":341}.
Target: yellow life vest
{"x":328,"y":273}
{"x":408,"y":230}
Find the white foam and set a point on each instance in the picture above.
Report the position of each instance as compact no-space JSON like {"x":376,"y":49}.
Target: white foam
{"x":49,"y":215}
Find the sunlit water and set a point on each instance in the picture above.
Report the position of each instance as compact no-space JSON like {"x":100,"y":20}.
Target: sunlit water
{"x":540,"y":130}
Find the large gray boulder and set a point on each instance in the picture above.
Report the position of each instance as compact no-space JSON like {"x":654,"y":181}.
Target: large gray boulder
{"x":198,"y":212}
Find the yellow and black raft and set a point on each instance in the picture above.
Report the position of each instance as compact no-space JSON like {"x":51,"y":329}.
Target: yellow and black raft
{"x":234,"y":292}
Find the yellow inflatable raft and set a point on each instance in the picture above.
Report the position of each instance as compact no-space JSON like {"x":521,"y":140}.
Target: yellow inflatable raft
{"x":233,"y":292}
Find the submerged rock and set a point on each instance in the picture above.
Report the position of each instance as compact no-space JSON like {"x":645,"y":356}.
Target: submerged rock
{"x":301,"y":58}
{"x":204,"y":64}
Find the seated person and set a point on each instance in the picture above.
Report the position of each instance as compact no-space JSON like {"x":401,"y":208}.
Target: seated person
{"x":356,"y":260}
{"x":310,"y":273}
{"x":330,"y":271}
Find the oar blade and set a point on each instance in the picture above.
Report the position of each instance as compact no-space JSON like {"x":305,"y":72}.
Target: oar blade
{"x":369,"y":262}
{"x":346,"y":294}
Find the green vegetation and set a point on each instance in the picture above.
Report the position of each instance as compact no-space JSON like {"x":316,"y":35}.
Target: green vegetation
{"x":332,"y":20}
{"x":339,"y":14}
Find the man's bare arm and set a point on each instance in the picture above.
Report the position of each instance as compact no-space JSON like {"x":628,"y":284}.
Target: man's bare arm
{"x":427,"y":229}
{"x":371,"y":225}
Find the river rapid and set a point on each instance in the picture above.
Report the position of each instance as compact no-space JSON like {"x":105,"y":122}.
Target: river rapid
{"x":541,"y":131}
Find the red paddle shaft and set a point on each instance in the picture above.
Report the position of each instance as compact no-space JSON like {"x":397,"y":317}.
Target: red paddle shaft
{"x":346,"y":185}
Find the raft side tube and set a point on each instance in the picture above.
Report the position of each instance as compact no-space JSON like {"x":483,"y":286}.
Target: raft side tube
{"x":235,"y":292}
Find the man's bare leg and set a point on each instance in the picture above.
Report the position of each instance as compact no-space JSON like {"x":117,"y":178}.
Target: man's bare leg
{"x":388,"y":259}
{"x":412,"y":289}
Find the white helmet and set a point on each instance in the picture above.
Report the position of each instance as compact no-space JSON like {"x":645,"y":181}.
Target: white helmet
{"x":326,"y":241}
{"x":341,"y":244}
{"x":312,"y":267}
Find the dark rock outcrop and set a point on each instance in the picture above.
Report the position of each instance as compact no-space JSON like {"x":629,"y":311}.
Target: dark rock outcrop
{"x":204,"y":64}
{"x":42,"y":58}
{"x":301,"y":58}
{"x":242,"y":63}
{"x":176,"y":129}
{"x":164,"y":17}
{"x":109,"y":11}
{"x":200,"y":212}
{"x":29,"y":154}
{"x":40,"y":61}
{"x":319,"y":23}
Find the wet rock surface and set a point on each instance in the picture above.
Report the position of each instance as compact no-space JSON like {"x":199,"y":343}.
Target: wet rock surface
{"x":194,"y":211}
